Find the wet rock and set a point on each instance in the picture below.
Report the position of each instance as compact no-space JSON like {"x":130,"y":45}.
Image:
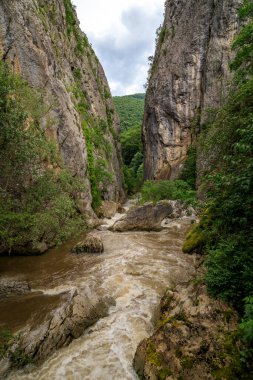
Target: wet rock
{"x":68,"y":322}
{"x":121,"y":209}
{"x":11,"y":287}
{"x":5,"y":366}
{"x":191,"y":338}
{"x":148,"y":217}
{"x":29,"y":249}
{"x":91,"y":244}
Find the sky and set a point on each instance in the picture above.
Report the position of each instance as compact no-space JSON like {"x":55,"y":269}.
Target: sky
{"x":122,"y":33}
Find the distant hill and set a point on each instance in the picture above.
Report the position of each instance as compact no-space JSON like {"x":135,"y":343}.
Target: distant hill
{"x":130,"y":109}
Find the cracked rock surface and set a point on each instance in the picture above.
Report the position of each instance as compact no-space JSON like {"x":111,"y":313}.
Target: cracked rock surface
{"x":189,"y":75}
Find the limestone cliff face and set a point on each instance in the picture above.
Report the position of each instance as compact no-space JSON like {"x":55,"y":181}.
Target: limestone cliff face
{"x":189,"y":75}
{"x":42,"y":40}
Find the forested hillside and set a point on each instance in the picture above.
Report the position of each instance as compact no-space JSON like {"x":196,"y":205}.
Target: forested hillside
{"x":130,"y":109}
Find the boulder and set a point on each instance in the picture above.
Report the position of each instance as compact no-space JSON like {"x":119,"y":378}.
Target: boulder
{"x":192,"y":337}
{"x":64,"y":324}
{"x":147,"y":217}
{"x":107,"y":209}
{"x":91,"y":244}
{"x":12,"y":286}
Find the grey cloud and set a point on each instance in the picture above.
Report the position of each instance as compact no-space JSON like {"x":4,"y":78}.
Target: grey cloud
{"x":122,"y":60}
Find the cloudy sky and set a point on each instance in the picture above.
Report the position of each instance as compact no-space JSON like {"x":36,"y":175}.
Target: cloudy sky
{"x":122,"y":33}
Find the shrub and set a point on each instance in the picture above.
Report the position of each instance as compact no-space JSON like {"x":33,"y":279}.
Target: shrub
{"x":36,"y":203}
{"x":247,"y":322}
{"x":188,"y":173}
{"x":158,"y":190}
{"x":130,"y":109}
{"x":229,"y":142}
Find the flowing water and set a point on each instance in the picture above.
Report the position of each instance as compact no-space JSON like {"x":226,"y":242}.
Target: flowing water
{"x":135,"y":270}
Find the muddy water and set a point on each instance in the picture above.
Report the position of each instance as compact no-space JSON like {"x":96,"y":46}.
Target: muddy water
{"x":135,"y":269}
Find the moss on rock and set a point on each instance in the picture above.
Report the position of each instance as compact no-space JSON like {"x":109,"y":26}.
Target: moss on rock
{"x":194,"y":240}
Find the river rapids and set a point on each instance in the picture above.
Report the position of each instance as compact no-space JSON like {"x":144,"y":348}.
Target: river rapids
{"x":135,"y":270}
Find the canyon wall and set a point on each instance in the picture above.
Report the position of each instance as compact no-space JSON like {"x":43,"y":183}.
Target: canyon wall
{"x":43,"y":42}
{"x":189,"y":74}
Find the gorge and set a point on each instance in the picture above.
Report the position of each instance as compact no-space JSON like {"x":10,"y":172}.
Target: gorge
{"x":169,"y":294}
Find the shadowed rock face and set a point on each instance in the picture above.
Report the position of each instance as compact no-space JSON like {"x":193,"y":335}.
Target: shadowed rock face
{"x":35,"y":39}
{"x":189,"y":75}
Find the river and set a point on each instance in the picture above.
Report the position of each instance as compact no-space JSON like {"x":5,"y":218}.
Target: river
{"x":135,"y":269}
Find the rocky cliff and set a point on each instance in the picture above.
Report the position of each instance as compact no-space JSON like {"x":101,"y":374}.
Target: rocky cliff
{"x":189,"y":74}
{"x":42,"y":40}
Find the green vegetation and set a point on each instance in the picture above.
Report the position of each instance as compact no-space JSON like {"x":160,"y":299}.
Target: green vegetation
{"x":72,"y":28}
{"x":131,"y":144}
{"x":130,"y":109}
{"x":155,"y":359}
{"x":182,"y":189}
{"x":229,"y":363}
{"x":194,"y":240}
{"x":5,"y":339}
{"x":37,"y":194}
{"x":230,"y":265}
{"x":227,"y":238}
{"x":99,"y":149}
{"x":17,"y":357}
{"x":159,"y":190}
{"x":189,"y":171}
{"x":97,"y":171}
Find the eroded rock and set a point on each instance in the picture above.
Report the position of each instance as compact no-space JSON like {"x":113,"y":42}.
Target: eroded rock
{"x":189,"y":75}
{"x":66,"y":323}
{"x":90,"y":244}
{"x":191,"y":337}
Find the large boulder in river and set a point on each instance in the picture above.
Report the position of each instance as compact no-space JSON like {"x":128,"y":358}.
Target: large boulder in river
{"x":90,"y":244}
{"x":148,"y":217}
{"x":78,"y":311}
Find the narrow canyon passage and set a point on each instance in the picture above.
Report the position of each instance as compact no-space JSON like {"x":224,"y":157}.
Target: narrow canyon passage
{"x":134,"y":270}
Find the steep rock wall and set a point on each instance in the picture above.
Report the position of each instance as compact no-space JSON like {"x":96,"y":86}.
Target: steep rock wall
{"x":42,"y":40}
{"x":189,"y":74}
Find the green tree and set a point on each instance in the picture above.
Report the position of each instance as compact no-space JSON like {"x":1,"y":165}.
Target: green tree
{"x":130,"y":109}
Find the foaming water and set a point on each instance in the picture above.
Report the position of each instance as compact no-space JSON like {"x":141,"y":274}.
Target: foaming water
{"x":135,"y":270}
